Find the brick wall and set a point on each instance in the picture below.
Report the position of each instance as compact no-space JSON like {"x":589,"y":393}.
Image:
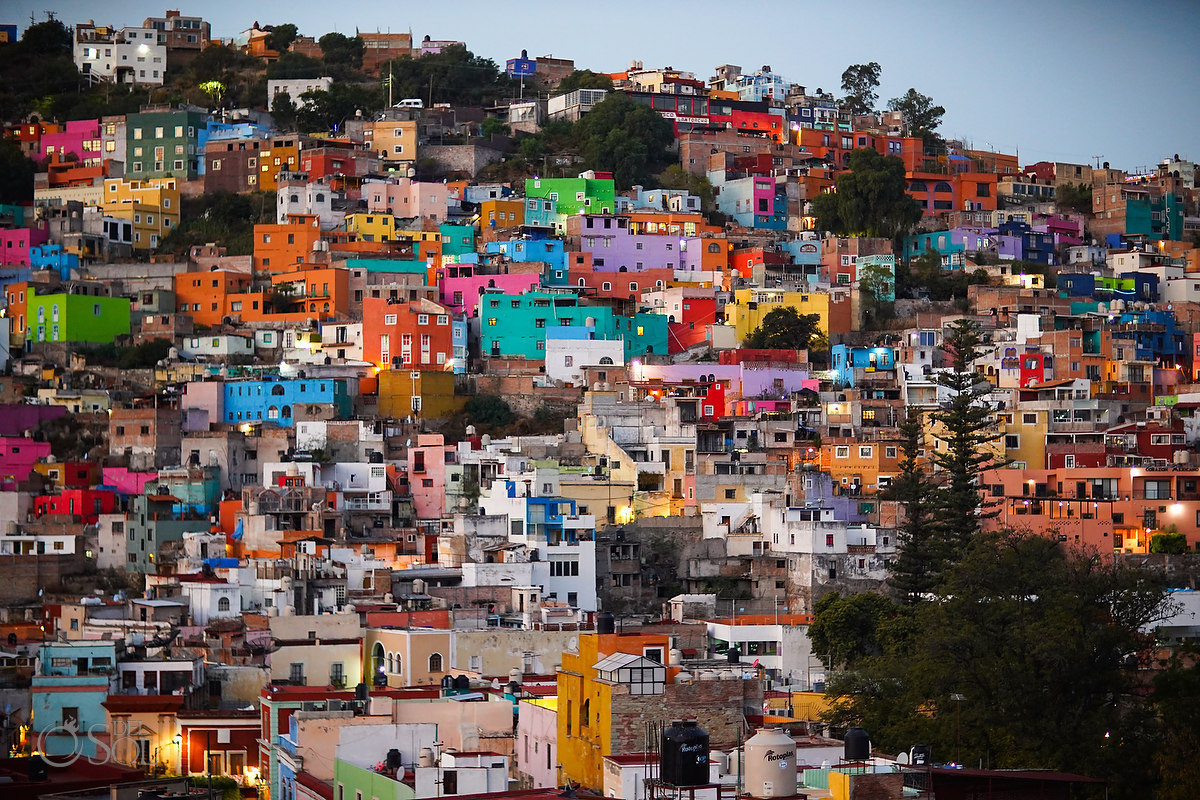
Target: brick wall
{"x":718,"y":706}
{"x":22,"y":576}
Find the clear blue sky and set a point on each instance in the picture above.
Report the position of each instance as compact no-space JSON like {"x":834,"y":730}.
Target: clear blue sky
{"x":1060,"y":80}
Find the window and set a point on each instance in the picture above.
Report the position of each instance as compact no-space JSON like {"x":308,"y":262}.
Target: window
{"x":866,"y":451}
{"x":223,"y":604}
{"x":435,"y":662}
{"x":296,"y":673}
{"x":1029,"y":419}
{"x":841,"y":452}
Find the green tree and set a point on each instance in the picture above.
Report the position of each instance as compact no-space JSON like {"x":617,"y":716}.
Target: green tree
{"x":1023,"y":662}
{"x":860,"y":82}
{"x":1074,"y":197}
{"x":921,"y":116}
{"x":1176,"y":701}
{"x":340,"y":49}
{"x":490,"y":410}
{"x":676,"y":177}
{"x":1169,"y":542}
{"x":294,"y":65}
{"x":877,"y":284}
{"x":493,"y":126}
{"x":968,"y":437}
{"x":283,"y":111}
{"x":281,"y":37}
{"x":455,"y":75}
{"x":16,"y":173}
{"x":583,"y":79}
{"x":785,"y":328}
{"x":914,"y":573}
{"x":322,"y":111}
{"x":626,"y":138}
{"x":47,"y":38}
{"x":869,"y":200}
{"x":847,"y":632}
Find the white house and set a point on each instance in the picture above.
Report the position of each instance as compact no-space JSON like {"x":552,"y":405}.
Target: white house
{"x":128,"y":55}
{"x":566,"y":358}
{"x":215,"y":347}
{"x":295,"y":87}
{"x":210,"y":598}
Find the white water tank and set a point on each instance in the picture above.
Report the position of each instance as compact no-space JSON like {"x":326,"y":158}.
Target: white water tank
{"x":770,"y":764}
{"x":674,"y":657}
{"x":425,"y":759}
{"x":418,"y":586}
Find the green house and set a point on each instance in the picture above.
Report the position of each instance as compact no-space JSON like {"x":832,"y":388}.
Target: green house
{"x":457,"y":240}
{"x":573,"y":195}
{"x":166,"y":143}
{"x":68,"y":317}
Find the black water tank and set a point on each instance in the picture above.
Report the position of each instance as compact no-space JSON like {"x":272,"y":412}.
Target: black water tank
{"x":361,"y":691}
{"x":37,"y":768}
{"x":858,"y":744}
{"x":733,"y":655}
{"x":921,"y":755}
{"x":393,"y":759}
{"x":685,"y":754}
{"x":462,"y":682}
{"x":606,"y":622}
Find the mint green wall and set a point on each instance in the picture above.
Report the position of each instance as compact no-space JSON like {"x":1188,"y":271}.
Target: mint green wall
{"x":601,"y":193}
{"x":348,"y":779}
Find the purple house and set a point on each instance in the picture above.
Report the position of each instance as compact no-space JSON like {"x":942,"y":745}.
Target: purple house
{"x":987,"y":240}
{"x":81,"y":137}
{"x":614,"y":247}
{"x":18,"y":455}
{"x":17,"y":418}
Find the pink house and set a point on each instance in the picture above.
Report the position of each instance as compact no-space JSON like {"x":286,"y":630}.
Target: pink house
{"x":81,"y":137}
{"x":461,"y":293}
{"x":18,"y":455}
{"x":15,"y":244}
{"x":125,"y":481}
{"x":427,"y":475}
{"x":404,"y":197}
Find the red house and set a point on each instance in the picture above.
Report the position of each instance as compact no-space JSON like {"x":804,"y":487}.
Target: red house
{"x":86,"y":504}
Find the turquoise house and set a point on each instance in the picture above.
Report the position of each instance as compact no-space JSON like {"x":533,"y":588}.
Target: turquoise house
{"x":516,"y":325}
{"x":457,"y":240}
{"x":73,"y":679}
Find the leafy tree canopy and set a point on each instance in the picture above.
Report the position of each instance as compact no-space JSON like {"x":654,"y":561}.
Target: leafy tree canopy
{"x":281,"y":37}
{"x":294,"y":65}
{"x":859,"y":82}
{"x":455,"y":75}
{"x":626,"y":138}
{"x":490,"y":410}
{"x":921,"y":116}
{"x":1074,"y":197}
{"x":676,"y":177}
{"x":583,"y":79}
{"x":16,"y":173}
{"x":785,"y":328}
{"x":338,"y":48}
{"x":869,"y":200}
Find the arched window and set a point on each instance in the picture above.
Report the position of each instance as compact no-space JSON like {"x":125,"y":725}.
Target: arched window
{"x":399,"y":665}
{"x":277,"y":389}
{"x":293,"y":198}
{"x":435,"y":662}
{"x":918,"y":186}
{"x":605,"y":361}
{"x":320,"y":197}
{"x":390,"y":663}
{"x":377,"y":657}
{"x":942,"y":186}
{"x":287,"y":412}
{"x":223,"y":604}
{"x":273,"y":412}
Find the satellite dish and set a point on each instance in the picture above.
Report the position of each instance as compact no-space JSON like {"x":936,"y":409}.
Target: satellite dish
{"x":902,"y":758}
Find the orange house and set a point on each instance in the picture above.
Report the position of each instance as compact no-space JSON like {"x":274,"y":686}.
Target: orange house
{"x":279,"y":248}
{"x":282,"y":156}
{"x":17,"y":295}
{"x":417,"y":333}
{"x":318,"y":292}
{"x":939,"y":194}
{"x":206,"y":295}
{"x":671,"y":223}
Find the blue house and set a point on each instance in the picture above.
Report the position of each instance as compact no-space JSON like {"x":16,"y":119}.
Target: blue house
{"x":549,"y":251}
{"x":846,"y":359}
{"x":51,"y":256}
{"x":1154,"y":335}
{"x":275,"y":400}
{"x":73,"y":679}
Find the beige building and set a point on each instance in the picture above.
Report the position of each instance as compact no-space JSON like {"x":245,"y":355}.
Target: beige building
{"x":409,"y":657}
{"x":320,"y":650}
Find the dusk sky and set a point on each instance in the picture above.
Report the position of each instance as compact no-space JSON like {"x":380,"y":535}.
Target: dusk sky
{"x":1066,"y":80}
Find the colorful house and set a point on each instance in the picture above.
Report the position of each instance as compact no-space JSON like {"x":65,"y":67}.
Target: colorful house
{"x":165,"y":144}
{"x":407,"y":334}
{"x":70,"y":317}
{"x":587,"y":193}
{"x":274,"y":400}
{"x":152,"y":205}
{"x":750,"y":306}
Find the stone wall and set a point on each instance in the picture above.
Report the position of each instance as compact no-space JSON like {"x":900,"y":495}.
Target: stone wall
{"x":719,"y":706}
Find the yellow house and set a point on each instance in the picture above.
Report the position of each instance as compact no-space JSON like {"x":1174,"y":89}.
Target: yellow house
{"x":407,"y":657}
{"x":502,"y":213}
{"x":1024,"y":440}
{"x":151,"y":205}
{"x":142,"y":730}
{"x":282,"y":156}
{"x":750,"y":306}
{"x":372,"y":227}
{"x":435,"y":388}
{"x":393,"y":140}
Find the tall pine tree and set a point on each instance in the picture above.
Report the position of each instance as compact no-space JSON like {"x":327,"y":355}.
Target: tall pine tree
{"x":915,"y":571}
{"x":967,"y":434}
